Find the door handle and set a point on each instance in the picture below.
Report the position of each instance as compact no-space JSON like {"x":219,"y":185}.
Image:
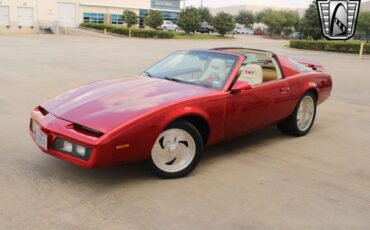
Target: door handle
{"x":284,"y":90}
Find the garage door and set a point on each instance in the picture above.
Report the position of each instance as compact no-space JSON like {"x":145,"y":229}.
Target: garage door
{"x":4,"y":16}
{"x":67,"y":14}
{"x":25,"y":16}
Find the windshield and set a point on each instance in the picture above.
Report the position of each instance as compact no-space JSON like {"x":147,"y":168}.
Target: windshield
{"x":207,"y":69}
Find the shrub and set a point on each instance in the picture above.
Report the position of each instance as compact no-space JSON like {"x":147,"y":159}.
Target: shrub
{"x":119,"y":30}
{"x":130,"y":18}
{"x":223,"y":23}
{"x":331,"y":46}
{"x":154,"y":19}
{"x":96,"y":26}
{"x":189,"y":20}
{"x":141,"y":33}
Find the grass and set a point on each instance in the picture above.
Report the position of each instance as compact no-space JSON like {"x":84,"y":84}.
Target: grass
{"x":275,"y":37}
{"x":197,"y":36}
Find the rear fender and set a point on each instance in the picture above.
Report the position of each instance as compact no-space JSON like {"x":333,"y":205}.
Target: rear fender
{"x":311,"y":86}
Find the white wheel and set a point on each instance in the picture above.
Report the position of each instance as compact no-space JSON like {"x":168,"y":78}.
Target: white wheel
{"x":300,"y":122}
{"x":176,"y":151}
{"x":305,"y":114}
{"x":173,"y":150}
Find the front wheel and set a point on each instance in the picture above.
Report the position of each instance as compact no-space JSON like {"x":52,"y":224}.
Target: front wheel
{"x":303,"y":117}
{"x":176,"y":151}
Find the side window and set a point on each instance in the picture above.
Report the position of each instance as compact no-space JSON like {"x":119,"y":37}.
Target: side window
{"x":259,"y":68}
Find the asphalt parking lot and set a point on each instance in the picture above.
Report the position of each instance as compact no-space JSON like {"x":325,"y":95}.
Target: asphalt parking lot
{"x":261,"y":181}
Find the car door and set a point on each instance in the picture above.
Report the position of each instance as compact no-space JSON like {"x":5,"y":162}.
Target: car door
{"x":266,"y":103}
{"x":258,"y":107}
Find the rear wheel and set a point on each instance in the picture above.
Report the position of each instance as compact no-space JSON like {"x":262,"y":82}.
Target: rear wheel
{"x":303,"y":117}
{"x":176,"y":151}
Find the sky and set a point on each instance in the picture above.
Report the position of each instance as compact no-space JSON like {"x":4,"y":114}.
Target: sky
{"x":272,"y":3}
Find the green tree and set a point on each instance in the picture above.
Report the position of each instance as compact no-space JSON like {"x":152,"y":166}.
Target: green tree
{"x":297,"y":26}
{"x":274,"y":20}
{"x":223,"y":23}
{"x":291,"y":20}
{"x":154,"y":19}
{"x":310,"y":24}
{"x":363,"y":23}
{"x":259,"y":16}
{"x":282,"y":21}
{"x":205,"y":15}
{"x":130,"y":18}
{"x":189,"y":20}
{"x":245,"y":17}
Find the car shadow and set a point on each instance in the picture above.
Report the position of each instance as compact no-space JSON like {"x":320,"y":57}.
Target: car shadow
{"x":124,"y":174}
{"x":242,"y":144}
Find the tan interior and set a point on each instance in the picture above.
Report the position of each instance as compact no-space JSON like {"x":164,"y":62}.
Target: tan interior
{"x":253,"y":74}
{"x":269,"y":75}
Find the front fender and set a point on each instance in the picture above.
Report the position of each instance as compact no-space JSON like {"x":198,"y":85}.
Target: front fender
{"x":181,"y":112}
{"x":135,"y":142}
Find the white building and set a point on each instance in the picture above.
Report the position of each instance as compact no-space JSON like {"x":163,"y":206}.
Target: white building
{"x":365,"y":6}
{"x":234,"y":10}
{"x":25,"y":16}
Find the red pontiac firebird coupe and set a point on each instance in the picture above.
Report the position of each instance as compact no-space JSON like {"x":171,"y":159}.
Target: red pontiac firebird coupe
{"x":184,"y":103}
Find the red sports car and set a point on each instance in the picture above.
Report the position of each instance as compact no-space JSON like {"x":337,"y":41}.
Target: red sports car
{"x":184,"y":103}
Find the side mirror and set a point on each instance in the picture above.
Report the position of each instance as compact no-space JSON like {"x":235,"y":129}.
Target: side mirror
{"x":240,"y":86}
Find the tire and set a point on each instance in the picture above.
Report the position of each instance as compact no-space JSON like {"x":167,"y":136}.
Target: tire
{"x":176,"y":151}
{"x":292,"y":125}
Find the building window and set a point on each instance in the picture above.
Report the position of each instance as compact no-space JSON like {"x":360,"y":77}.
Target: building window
{"x":142,"y":14}
{"x":166,"y":4}
{"x":171,"y":16}
{"x":117,"y":19}
{"x":94,"y":18}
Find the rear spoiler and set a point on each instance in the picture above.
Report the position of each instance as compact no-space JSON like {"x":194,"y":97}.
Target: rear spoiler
{"x":312,"y":65}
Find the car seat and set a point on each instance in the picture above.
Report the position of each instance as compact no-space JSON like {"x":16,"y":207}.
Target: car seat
{"x":216,"y":68}
{"x":253,"y":74}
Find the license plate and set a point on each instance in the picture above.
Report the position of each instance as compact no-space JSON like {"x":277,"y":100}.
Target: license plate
{"x":41,"y":139}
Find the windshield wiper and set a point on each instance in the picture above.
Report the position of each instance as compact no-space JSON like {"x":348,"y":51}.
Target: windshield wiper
{"x":198,"y":83}
{"x":148,"y":74}
{"x":175,"y":80}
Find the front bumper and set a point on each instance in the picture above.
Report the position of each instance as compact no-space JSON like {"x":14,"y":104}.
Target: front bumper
{"x":54,"y":127}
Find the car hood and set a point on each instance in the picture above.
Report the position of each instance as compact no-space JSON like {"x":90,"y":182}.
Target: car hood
{"x":105,"y":105}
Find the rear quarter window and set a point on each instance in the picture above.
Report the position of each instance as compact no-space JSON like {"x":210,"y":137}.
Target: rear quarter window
{"x":300,"y":66}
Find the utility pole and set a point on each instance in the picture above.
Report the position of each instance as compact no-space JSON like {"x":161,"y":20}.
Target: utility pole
{"x":201,"y":4}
